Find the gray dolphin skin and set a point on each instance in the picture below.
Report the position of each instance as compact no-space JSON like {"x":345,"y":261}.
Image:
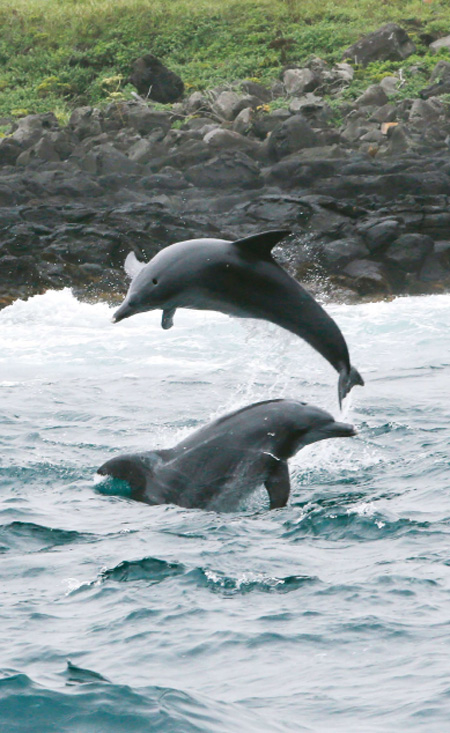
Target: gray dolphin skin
{"x":241,"y":279}
{"x":225,"y":461}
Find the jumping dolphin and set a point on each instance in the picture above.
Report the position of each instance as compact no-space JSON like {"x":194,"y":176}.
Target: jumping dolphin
{"x":226,"y":460}
{"x":238,"y":278}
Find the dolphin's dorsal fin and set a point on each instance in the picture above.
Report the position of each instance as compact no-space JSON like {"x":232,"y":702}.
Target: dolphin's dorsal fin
{"x":261,"y":245}
{"x":132,"y":265}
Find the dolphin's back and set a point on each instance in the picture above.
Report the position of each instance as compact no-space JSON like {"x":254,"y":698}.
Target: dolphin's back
{"x":261,"y":289}
{"x":219,"y":464}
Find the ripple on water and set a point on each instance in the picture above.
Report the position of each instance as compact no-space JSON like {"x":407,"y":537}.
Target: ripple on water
{"x":90,"y":702}
{"x":329,"y":614}
{"x":28,"y":537}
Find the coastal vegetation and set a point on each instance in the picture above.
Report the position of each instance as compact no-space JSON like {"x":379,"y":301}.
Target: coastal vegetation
{"x":59,"y":54}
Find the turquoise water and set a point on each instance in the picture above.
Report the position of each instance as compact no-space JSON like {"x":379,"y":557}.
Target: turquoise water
{"x":329,"y":615}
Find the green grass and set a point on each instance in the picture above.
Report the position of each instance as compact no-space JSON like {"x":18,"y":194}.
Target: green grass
{"x":59,"y":54}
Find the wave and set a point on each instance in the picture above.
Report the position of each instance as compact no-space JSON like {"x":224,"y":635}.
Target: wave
{"x":150,"y":569}
{"x":29,"y":537}
{"x":248,"y":582}
{"x":95,"y":704}
{"x":361,"y":523}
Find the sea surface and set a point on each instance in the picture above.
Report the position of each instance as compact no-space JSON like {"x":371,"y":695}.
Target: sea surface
{"x":332,"y":614}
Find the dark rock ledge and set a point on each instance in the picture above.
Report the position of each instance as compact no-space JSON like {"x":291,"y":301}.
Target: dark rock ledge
{"x":368,"y":201}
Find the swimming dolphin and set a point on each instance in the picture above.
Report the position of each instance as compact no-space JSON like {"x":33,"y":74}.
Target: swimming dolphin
{"x":238,"y":278}
{"x":225,"y":461}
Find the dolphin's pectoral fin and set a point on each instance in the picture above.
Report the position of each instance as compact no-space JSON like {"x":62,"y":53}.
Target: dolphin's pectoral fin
{"x":347,"y":380}
{"x":132,"y":265}
{"x":261,"y":245}
{"x":167,"y":318}
{"x":278,"y":485}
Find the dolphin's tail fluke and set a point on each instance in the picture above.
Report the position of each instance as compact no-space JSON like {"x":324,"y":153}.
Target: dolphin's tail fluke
{"x":347,"y":380}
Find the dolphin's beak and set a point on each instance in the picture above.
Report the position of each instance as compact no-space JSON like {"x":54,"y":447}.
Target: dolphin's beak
{"x":329,"y":430}
{"x":125,"y":311}
{"x":338,"y":430}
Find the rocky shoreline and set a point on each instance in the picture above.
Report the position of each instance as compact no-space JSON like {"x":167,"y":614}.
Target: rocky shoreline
{"x":367,"y":199}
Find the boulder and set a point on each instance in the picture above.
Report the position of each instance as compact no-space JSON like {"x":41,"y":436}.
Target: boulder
{"x":190,"y":153}
{"x":372,"y":136}
{"x":389,"y":84}
{"x":243,"y":121}
{"x":343,"y":72}
{"x":145,"y":120}
{"x":289,"y":136}
{"x":379,"y":234}
{"x":53,"y":146}
{"x":256,"y":90}
{"x":245,"y":102}
{"x":199,"y":124}
{"x":399,"y":140}
{"x":299,"y":81}
{"x":424,"y":112}
{"x":441,"y":72}
{"x":432,"y":270}
{"x":143,"y":151}
{"x":31,"y":128}
{"x":168,"y":179}
{"x":308,"y":103}
{"x":195,"y":102}
{"x":295,"y":171}
{"x":337,"y":254}
{"x":235,"y":170}
{"x":439,"y":81}
{"x":85,"y":122}
{"x":408,"y":252}
{"x":155,"y":81}
{"x":264,"y":124}
{"x":355,"y":126}
{"x":19,"y":270}
{"x":367,"y":276}
{"x":44,"y":149}
{"x":374,"y":96}
{"x":442,"y":252}
{"x":388,"y":43}
{"x":106,"y":159}
{"x":386,"y":113}
{"x":226,"y":105}
{"x":10,"y":150}
{"x":220,"y":139}
{"x":269,"y":208}
{"x":440,"y":43}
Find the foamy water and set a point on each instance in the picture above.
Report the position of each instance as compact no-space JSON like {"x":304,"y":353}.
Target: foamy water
{"x":328,"y":615}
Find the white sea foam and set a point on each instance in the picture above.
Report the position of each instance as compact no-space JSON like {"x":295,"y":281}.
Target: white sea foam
{"x":367,"y":515}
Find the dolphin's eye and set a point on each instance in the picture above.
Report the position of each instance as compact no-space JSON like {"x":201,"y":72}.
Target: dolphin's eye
{"x":155,"y":281}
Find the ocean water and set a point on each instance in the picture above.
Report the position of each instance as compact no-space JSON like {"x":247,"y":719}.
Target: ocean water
{"x":332,"y":614}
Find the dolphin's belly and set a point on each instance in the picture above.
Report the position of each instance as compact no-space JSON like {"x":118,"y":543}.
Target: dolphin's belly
{"x":217,"y":482}
{"x":197,"y":300}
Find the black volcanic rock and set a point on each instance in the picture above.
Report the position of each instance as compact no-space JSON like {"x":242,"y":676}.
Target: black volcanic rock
{"x":75,"y":200}
{"x":155,"y":81}
{"x":367,"y":276}
{"x":388,"y":43}
{"x":408,"y":252}
{"x":292,"y":135}
{"x":336,"y":255}
{"x":379,"y":234}
{"x":225,"y":171}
